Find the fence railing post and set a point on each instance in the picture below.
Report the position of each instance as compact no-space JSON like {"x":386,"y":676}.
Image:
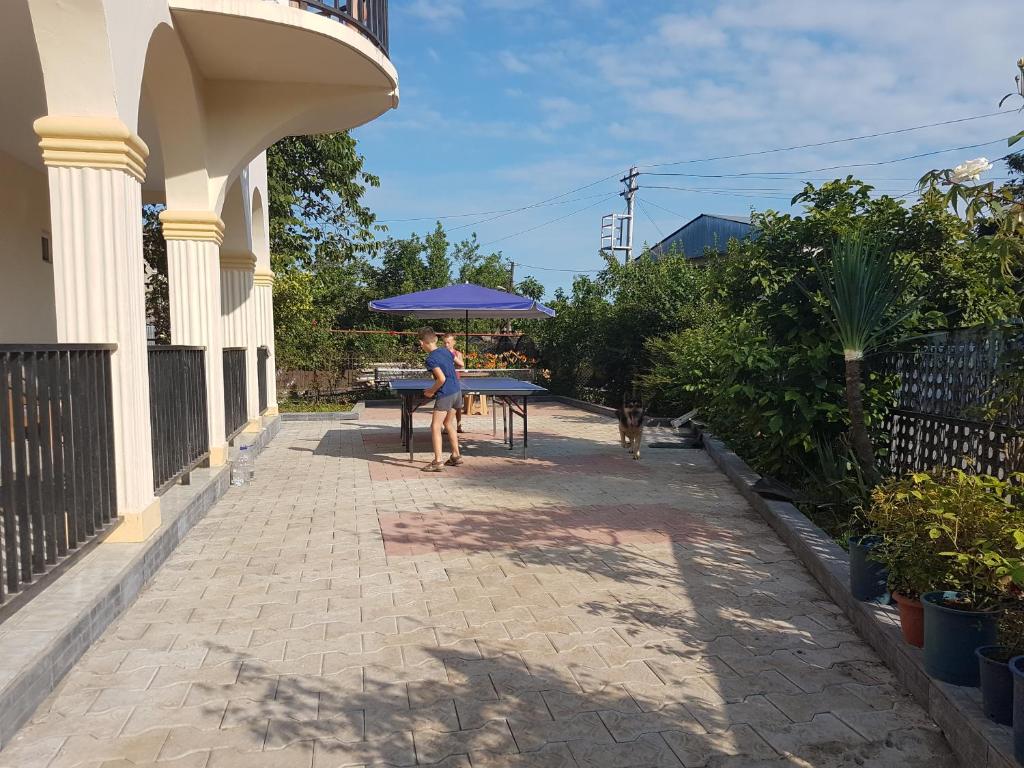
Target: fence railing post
{"x":57,"y":484}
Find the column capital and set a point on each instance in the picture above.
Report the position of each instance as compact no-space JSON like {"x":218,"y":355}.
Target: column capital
{"x":192,"y":225}
{"x":263,"y":277}
{"x":245,"y":262}
{"x":70,"y":141}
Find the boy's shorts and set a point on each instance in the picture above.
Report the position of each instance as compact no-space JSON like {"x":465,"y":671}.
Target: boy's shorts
{"x":448,"y":402}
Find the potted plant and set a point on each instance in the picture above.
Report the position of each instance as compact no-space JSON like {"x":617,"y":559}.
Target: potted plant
{"x":994,"y":666}
{"x":979,"y":534}
{"x":868,"y":575}
{"x":899,"y":512}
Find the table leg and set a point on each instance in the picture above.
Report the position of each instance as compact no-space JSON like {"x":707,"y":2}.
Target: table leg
{"x":404,"y":408}
{"x":411,"y":431}
{"x":511,"y":422}
{"x":526,"y":427}
{"x":494,"y":420}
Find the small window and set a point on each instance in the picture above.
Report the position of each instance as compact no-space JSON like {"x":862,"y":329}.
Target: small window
{"x":45,"y":247}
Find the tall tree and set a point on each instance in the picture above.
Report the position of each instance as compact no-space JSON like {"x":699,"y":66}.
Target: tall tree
{"x":532,"y":287}
{"x":320,"y":233}
{"x":475,"y":266}
{"x":154,"y":252}
{"x":315,"y":186}
{"x":865,"y":292}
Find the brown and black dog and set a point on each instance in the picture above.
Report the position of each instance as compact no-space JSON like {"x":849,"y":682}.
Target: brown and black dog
{"x":631,"y":423}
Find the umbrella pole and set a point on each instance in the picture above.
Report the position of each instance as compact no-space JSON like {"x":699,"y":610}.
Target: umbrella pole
{"x":466,"y":344}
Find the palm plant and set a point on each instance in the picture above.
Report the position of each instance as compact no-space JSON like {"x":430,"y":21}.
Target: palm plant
{"x":865,"y":291}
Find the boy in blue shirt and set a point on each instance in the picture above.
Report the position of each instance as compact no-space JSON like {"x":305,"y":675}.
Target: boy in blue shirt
{"x":448,"y":394}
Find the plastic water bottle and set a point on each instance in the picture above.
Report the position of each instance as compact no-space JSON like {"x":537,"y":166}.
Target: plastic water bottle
{"x":242,"y":470}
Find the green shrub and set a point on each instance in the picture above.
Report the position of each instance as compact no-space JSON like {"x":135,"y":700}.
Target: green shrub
{"x":950,"y":530}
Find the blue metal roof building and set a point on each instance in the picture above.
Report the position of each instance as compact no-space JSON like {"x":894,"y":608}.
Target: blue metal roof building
{"x":708,"y":230}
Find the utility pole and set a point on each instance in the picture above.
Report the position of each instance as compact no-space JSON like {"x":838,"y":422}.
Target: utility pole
{"x":512,"y":277}
{"x":617,"y":229}
{"x":630,"y":180}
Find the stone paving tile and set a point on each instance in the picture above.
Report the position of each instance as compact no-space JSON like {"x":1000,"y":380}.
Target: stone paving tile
{"x":573,"y":610}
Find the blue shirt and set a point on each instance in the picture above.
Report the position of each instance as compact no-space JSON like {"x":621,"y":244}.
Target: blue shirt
{"x":445,"y":360}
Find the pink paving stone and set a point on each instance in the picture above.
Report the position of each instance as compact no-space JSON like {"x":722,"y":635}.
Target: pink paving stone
{"x":415,"y":534}
{"x":396,"y":466}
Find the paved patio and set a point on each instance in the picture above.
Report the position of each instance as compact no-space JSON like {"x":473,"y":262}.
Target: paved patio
{"x":576,"y":608}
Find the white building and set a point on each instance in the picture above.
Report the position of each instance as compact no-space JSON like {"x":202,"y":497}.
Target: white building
{"x":105,"y":105}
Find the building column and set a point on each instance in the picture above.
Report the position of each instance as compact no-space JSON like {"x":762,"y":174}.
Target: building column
{"x":238,"y":303}
{"x":263,"y":280}
{"x":193,"y":276}
{"x":95,"y":167}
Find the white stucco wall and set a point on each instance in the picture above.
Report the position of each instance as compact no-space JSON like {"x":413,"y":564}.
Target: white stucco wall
{"x":27,"y":312}
{"x":260,"y":215}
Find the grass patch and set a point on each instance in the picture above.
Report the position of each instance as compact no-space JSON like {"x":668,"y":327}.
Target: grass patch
{"x":310,"y":405}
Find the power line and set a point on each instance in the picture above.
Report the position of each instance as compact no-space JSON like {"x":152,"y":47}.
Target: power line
{"x":546,"y":223}
{"x":651,"y":219}
{"x":758,"y":174}
{"x":666,"y":210}
{"x":699,"y":190}
{"x":834,"y":141}
{"x":488,"y":213}
{"x":535,"y":205}
{"x":873,"y":164}
{"x":556,"y":269}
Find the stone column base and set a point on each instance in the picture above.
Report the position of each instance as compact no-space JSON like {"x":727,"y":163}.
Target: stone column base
{"x":254,"y":425}
{"x":137,"y":526}
{"x":218,"y":456}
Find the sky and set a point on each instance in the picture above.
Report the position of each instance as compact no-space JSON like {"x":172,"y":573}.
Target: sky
{"x":547,"y":103}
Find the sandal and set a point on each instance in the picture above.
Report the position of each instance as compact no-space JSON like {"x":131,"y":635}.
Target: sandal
{"x":454,"y":461}
{"x":434,"y":466}
{"x":460,"y":430}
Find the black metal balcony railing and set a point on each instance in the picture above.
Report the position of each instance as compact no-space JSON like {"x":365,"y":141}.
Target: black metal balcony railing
{"x":262,"y":359}
{"x":369,"y":16}
{"x":57,"y":484}
{"x":235,"y":416}
{"x":177,"y":409}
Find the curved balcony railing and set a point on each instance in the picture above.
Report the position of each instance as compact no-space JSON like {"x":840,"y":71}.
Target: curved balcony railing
{"x":369,"y":16}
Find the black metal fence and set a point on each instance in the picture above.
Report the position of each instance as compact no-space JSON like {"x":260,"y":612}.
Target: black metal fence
{"x":959,"y":402}
{"x":370,"y":16}
{"x":57,"y":483}
{"x":178,"y":413}
{"x":235,"y":416}
{"x":262,"y":360}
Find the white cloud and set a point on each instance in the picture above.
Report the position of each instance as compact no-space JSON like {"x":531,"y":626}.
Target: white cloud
{"x":441,"y":13}
{"x":513,"y":63}
{"x":691,"y":32}
{"x":558,"y":112}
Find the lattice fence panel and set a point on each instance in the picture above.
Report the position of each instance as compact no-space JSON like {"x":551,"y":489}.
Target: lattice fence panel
{"x":954,"y":405}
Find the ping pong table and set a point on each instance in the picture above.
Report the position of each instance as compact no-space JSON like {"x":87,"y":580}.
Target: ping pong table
{"x":513,"y":395}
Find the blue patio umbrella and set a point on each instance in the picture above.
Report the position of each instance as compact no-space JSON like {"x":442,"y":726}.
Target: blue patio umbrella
{"x":463,"y":300}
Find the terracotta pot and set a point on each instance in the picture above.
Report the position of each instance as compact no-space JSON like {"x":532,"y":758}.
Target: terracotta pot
{"x":911,"y":619}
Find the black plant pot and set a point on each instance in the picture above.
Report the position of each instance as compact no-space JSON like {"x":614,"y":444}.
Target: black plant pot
{"x":1017,"y":670}
{"x":996,"y":683}
{"x":950,"y":637}
{"x":868,"y":577}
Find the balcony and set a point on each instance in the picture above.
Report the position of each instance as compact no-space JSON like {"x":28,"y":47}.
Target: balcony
{"x":322,"y":64}
{"x":369,"y":16}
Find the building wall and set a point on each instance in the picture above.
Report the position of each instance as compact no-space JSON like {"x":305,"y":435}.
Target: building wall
{"x":27,"y":312}
{"x":702,"y":233}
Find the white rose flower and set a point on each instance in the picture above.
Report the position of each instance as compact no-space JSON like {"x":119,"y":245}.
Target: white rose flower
{"x":970,"y":170}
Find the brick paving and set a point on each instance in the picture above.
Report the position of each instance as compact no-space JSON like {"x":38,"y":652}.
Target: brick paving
{"x":573,"y":609}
